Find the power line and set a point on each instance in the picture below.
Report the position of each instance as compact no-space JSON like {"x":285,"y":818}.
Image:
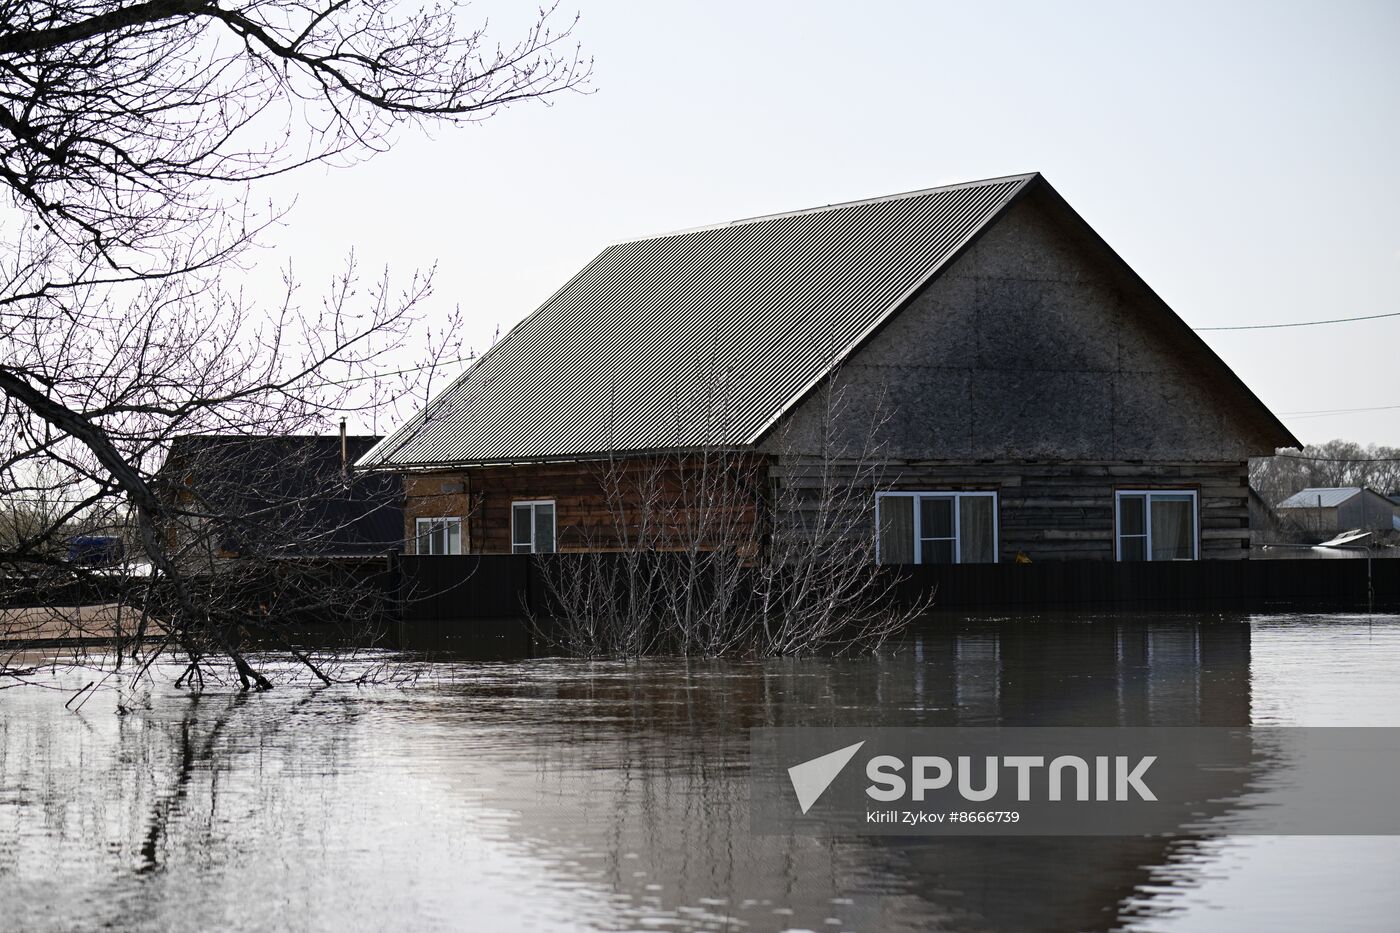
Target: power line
{"x":1338,"y":459}
{"x":1339,"y":320}
{"x":1336,"y":411}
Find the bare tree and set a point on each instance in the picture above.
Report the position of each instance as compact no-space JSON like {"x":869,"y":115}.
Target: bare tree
{"x":132,"y":135}
{"x":706,"y":552}
{"x":821,"y":588}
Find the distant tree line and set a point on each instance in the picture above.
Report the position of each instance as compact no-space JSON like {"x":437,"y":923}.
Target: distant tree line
{"x":1335,"y":463}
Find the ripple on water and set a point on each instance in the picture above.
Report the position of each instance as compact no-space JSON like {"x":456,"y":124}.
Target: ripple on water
{"x":559,"y":795}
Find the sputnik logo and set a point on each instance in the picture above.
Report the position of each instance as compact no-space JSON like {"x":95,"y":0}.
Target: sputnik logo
{"x":811,"y":778}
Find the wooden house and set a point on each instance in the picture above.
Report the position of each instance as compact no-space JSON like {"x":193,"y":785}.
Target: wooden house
{"x":287,"y":496}
{"x":1033,"y":397}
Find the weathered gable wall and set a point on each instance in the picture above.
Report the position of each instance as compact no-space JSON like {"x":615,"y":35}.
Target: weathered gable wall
{"x":1034,"y":368}
{"x":1032,"y":346}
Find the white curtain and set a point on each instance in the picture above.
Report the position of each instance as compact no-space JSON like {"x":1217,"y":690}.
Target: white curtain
{"x":1173,"y":527}
{"x":978,"y":518}
{"x":896,"y":529}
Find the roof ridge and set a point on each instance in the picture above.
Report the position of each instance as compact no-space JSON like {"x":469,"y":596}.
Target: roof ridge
{"x":241,"y":438}
{"x":903,"y":195}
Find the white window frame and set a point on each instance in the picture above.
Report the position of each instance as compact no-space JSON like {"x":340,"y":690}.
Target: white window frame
{"x":553,"y":521}
{"x":419,"y":532}
{"x":956,"y":494}
{"x":1147,"y":495}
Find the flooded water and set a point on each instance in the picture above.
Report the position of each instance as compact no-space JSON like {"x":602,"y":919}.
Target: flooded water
{"x":561,"y":795}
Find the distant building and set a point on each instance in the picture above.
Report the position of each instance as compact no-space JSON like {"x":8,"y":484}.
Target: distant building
{"x":1042,"y":399}
{"x":279,"y":497}
{"x":1328,"y":510}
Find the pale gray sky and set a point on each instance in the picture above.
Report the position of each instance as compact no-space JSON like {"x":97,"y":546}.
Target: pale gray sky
{"x":1241,"y":156}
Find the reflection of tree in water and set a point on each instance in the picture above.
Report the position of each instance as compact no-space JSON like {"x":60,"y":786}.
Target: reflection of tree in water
{"x":193,"y":750}
{"x":142,"y":812}
{"x":202,"y":750}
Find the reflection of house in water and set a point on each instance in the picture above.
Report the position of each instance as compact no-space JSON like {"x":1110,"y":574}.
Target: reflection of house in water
{"x":613,"y":795}
{"x":1049,"y":672}
{"x":665,"y":760}
{"x":977,"y":673}
{"x":1053,"y":673}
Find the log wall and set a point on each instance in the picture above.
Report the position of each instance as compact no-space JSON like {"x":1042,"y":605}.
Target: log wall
{"x":1065,"y":511}
{"x":1047,"y":511}
{"x":591,"y":499}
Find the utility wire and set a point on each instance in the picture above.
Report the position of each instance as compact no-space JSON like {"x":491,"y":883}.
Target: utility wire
{"x":1334,"y":459}
{"x":1335,"y":411}
{"x":1339,"y":320}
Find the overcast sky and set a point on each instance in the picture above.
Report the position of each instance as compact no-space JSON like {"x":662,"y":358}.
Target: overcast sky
{"x":1242,"y":157}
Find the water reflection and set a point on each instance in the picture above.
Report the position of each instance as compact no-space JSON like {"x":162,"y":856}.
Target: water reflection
{"x":563,"y":795}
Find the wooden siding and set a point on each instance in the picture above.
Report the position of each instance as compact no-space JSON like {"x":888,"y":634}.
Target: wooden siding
{"x":1048,"y":511}
{"x":434,"y":495}
{"x":1065,"y":511}
{"x":588,"y":497}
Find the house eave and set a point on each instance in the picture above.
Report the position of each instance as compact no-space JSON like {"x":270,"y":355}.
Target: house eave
{"x":441,"y":466}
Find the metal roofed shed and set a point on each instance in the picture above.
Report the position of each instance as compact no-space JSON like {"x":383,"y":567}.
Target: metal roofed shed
{"x":1334,"y":509}
{"x":1319,"y":497}
{"x":285,"y":495}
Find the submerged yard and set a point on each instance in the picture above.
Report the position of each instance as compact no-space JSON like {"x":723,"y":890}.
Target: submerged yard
{"x":557,"y":795}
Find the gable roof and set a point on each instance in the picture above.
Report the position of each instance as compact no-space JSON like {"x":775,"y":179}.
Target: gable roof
{"x":754,"y":311}
{"x":706,"y":337}
{"x":1324,"y":497}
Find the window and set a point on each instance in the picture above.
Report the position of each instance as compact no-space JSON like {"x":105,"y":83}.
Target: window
{"x":532,"y":527}
{"x":936,"y":527}
{"x":1157,"y":524}
{"x":439,"y":535}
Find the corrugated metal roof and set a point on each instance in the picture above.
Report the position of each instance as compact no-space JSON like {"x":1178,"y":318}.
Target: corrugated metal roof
{"x":1319,"y":497}
{"x":697,"y":338}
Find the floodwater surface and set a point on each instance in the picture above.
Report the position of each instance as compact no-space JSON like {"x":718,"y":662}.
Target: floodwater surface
{"x":569,"y":795}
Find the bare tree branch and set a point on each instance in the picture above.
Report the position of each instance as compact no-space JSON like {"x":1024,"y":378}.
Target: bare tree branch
{"x":132,"y":135}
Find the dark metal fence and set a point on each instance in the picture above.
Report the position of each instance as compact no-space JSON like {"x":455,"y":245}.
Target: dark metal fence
{"x":1254,"y":585}
{"x":446,"y":590}
{"x":485,"y":600}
